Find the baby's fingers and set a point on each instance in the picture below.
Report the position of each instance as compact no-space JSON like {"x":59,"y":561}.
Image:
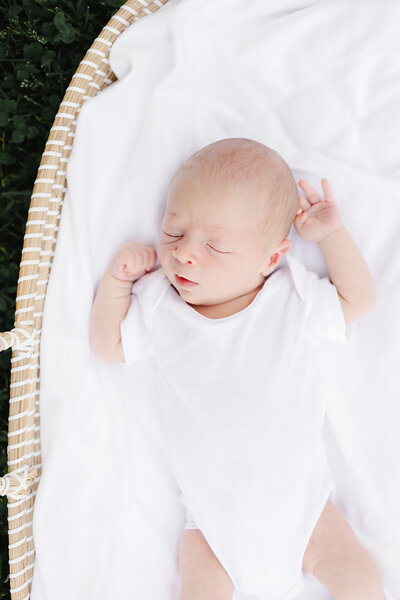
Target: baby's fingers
{"x":312,"y":195}
{"x":150,"y":257}
{"x":304,"y":204}
{"x":328,"y":194}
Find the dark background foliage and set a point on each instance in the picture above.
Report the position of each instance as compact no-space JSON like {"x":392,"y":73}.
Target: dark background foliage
{"x":41,"y":45}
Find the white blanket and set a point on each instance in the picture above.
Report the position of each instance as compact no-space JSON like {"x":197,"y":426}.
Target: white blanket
{"x":319,"y":82}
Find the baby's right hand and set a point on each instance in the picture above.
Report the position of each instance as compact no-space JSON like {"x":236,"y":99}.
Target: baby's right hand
{"x":132,"y":261}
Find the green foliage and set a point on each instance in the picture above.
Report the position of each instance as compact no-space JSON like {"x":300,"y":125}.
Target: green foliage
{"x":41,"y":45}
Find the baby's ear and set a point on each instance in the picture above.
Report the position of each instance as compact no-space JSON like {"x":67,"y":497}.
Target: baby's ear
{"x":286,"y":244}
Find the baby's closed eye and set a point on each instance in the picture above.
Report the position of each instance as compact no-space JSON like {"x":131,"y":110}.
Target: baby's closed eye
{"x":177,"y":236}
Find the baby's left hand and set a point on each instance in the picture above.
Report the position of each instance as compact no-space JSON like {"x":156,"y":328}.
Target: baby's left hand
{"x":317,"y":218}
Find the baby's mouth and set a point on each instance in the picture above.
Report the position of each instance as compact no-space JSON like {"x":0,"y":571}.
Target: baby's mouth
{"x":183,"y":282}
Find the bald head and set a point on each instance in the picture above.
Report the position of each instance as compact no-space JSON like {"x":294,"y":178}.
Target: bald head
{"x":258,"y":171}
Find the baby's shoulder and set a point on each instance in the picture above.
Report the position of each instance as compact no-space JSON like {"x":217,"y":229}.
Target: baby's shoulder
{"x":304,"y":281}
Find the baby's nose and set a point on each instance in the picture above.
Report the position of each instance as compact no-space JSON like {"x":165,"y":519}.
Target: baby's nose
{"x":182,"y":256}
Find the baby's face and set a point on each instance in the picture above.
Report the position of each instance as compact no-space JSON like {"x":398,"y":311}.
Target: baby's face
{"x":209,"y":235}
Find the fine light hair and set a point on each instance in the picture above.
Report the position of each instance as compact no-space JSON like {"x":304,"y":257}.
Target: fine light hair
{"x":258,"y":169}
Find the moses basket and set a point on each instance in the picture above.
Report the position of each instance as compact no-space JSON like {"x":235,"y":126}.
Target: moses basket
{"x":24,"y":454}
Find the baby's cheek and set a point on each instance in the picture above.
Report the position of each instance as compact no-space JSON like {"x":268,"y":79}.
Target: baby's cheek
{"x":163,"y":254}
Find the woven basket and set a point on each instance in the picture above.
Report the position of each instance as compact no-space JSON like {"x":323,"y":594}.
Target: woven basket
{"x":23,"y":453}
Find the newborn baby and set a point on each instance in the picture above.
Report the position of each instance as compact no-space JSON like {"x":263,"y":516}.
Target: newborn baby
{"x":233,"y":337}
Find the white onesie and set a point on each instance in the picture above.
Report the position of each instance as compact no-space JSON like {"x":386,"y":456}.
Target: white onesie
{"x":243,"y":411}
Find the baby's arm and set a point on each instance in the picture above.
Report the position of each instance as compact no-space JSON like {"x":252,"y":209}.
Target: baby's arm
{"x":348,"y":271}
{"x":319,"y":221}
{"x":113,"y":299}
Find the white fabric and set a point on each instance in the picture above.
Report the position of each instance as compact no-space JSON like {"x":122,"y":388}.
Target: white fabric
{"x":317,"y":81}
{"x":244,"y":412}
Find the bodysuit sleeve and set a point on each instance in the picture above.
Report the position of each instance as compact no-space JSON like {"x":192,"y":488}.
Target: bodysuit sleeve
{"x":136,"y":328}
{"x":325,"y":317}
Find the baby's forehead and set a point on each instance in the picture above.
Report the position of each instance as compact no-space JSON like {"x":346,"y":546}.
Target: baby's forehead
{"x":222,"y":194}
{"x":202,"y":191}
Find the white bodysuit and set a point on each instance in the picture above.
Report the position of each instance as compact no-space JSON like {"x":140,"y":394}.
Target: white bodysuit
{"x":244,"y":412}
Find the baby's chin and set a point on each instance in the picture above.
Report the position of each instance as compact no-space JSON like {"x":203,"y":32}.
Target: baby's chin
{"x":192,"y":297}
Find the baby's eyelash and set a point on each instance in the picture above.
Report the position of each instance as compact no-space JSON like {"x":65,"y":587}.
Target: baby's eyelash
{"x":219,"y":251}
{"x":175,"y":236}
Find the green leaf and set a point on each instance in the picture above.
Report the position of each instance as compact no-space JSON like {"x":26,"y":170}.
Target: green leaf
{"x":33,"y":51}
{"x":48,"y":57}
{"x":113,"y":3}
{"x":59,"y":20}
{"x":8,"y":105}
{"x":54,"y":100}
{"x":18,"y":135}
{"x":13,"y":11}
{"x":22,"y":74}
{"x":19,"y":122}
{"x":32,"y":132}
{"x":66,"y":32}
{"x":6,"y":158}
{"x":48,"y":113}
{"x":48,"y":30}
{"x":4,"y":116}
{"x":66,"y":35}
